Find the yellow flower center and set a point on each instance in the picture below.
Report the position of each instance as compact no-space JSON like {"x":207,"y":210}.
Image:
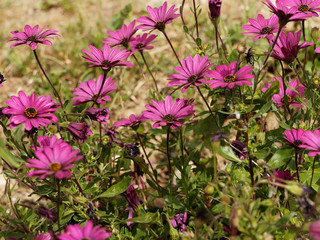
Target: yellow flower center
{"x":289,"y":99}
{"x":265,"y":30}
{"x":230,"y":78}
{"x":139,"y":45}
{"x":304,"y":8}
{"x":192,"y":78}
{"x":30,"y":112}
{"x":168,"y":118}
{"x":55,"y":167}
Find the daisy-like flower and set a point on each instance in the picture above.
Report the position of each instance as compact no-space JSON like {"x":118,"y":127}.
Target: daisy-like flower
{"x":192,"y":72}
{"x":32,"y":36}
{"x":168,"y":112}
{"x":133,"y":121}
{"x":214,"y":9}
{"x":158,"y":19}
{"x":282,"y":176}
{"x":311,"y":141}
{"x":45,"y":141}
{"x":142,"y":43}
{"x":309,"y":7}
{"x":226,"y":76}
{"x":288,"y":46}
{"x":56,"y":160}
{"x":179,"y":221}
{"x":293,"y":137}
{"x":43,"y":236}
{"x":262,"y":28}
{"x":89,"y":91}
{"x":98,"y":114}
{"x":80,"y":131}
{"x":30,"y":110}
{"x":121,"y":36}
{"x":76,"y":232}
{"x":106,"y":58}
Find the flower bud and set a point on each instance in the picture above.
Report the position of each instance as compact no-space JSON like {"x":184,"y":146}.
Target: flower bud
{"x":241,"y":48}
{"x":209,"y":190}
{"x":214,"y":10}
{"x":316,"y":81}
{"x":315,"y":34}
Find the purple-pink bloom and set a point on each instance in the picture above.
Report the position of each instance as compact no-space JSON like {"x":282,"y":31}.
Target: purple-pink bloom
{"x":32,"y":36}
{"x":159,"y":17}
{"x":106,"y":58}
{"x":88,"y":231}
{"x":168,"y":112}
{"x":89,"y":91}
{"x":262,"y":28}
{"x":45,"y":141}
{"x":111,"y":133}
{"x":214,"y":9}
{"x":98,"y":114}
{"x":80,"y":131}
{"x":48,"y":214}
{"x":179,"y":221}
{"x":133,"y":121}
{"x":293,"y":137}
{"x":121,"y":36}
{"x":1,"y":79}
{"x":30,"y":110}
{"x":43,"y":236}
{"x":314,"y":230}
{"x":311,"y":141}
{"x":192,"y":72}
{"x":287,"y":46}
{"x":309,"y":7}
{"x":142,"y":43}
{"x":282,"y":176}
{"x":131,"y":196}
{"x":227,"y":76}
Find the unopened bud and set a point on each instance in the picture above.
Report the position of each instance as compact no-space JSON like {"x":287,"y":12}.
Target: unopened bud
{"x":241,"y":48}
{"x":315,"y":34}
{"x":209,"y":190}
{"x":225,"y":200}
{"x":316,"y":81}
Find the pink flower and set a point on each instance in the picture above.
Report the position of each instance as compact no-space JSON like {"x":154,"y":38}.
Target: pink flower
{"x":133,"y":121}
{"x":168,"y":112}
{"x":106,"y":58}
{"x":32,"y":36}
{"x":45,"y":141}
{"x":122,"y":36}
{"x":314,"y":230}
{"x":293,"y":137}
{"x":262,"y":28}
{"x":282,"y":176}
{"x":288,"y":46}
{"x":179,"y":221}
{"x":89,"y":90}
{"x":131,"y":196}
{"x":80,"y":131}
{"x":43,"y":236}
{"x":98,"y":114}
{"x":142,"y":43}
{"x":214,"y":9}
{"x":311,"y":141}
{"x":76,"y":232}
{"x":158,"y":19}
{"x":226,"y":76}
{"x":56,"y":160}
{"x":192,"y":72}
{"x":309,"y":7}
{"x":30,"y":110}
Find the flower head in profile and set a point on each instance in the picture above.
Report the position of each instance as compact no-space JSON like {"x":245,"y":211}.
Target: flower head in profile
{"x":142,"y":43}
{"x":309,"y":7}
{"x":287,"y":46}
{"x":214,"y":9}
{"x":80,"y":131}
{"x":193,"y":72}
{"x":30,"y":110}
{"x":106,"y":58}
{"x":314,"y":230}
{"x":133,"y":121}
{"x":131,"y":196}
{"x":159,"y":17}
{"x":282,"y":176}
{"x":56,"y":160}
{"x":179,"y":222}
{"x":311,"y":141}
{"x":32,"y":36}
{"x":88,"y":231}
{"x":168,"y":112}
{"x":227,"y":76}
{"x":89,"y":90}
{"x":121,"y":36}
{"x":98,"y":114}
{"x":262,"y":28}
{"x":293,"y":137}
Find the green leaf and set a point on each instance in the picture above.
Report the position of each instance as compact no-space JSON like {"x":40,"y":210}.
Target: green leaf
{"x":285,"y":126}
{"x":44,"y":189}
{"x":199,"y":42}
{"x":116,"y":189}
{"x":265,"y":108}
{"x":228,"y":153}
{"x":280,"y":158}
{"x":145,"y":218}
{"x":273,"y":89}
{"x":8,"y":156}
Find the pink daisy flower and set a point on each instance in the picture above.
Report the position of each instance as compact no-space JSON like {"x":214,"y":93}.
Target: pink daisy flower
{"x":43,"y":236}
{"x":214,"y":9}
{"x":293,"y":137}
{"x":89,"y":90}
{"x":159,"y":17}
{"x":122,"y":36}
{"x":142,"y":43}
{"x":76,"y":232}
{"x":32,"y":36}
{"x":314,"y":230}
{"x":311,"y":141}
{"x":45,"y":141}
{"x":288,"y":46}
{"x":133,"y":121}
{"x":192,"y":72}
{"x":262,"y":28}
{"x":30,"y":110}
{"x":226,"y":76}
{"x":309,"y":7}
{"x":168,"y":112}
{"x":55,"y":160}
{"x":106,"y":58}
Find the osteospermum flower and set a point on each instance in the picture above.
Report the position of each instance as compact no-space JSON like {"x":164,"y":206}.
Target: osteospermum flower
{"x":56,"y":160}
{"x":159,"y":17}
{"x":76,"y":232}
{"x":227,"y":76}
{"x":30,"y":110}
{"x":309,"y":7}
{"x":45,"y":141}
{"x":287,"y":47}
{"x":142,"y":43}
{"x":214,"y":9}
{"x":282,"y":176}
{"x":133,"y":121}
{"x":80,"y":131}
{"x":98,"y":114}
{"x":168,"y":112}
{"x":311,"y":141}
{"x":32,"y":36}
{"x":106,"y":58}
{"x":89,"y":91}
{"x":121,"y":36}
{"x":43,"y":236}
{"x":179,"y":221}
{"x":293,"y":137}
{"x":262,"y":28}
{"x":192,"y":72}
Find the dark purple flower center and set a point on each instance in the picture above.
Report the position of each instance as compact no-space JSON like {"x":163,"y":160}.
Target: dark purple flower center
{"x":193,"y":78}
{"x":86,"y":238}
{"x":297,"y":142}
{"x":55,"y":166}
{"x":30,"y":112}
{"x":230,"y":78}
{"x":168,"y":118}
{"x":265,"y":30}
{"x":124,"y":40}
{"x":288,"y":97}
{"x":304,"y":8}
{"x":159,"y":25}
{"x":106,"y":63}
{"x":135,"y":122}
{"x":32,"y":39}
{"x":139,"y":45}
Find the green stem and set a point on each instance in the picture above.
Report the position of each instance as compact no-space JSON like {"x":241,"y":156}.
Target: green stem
{"x":105,"y":72}
{"x":144,"y":151}
{"x":195,"y":16}
{"x":297,"y":167}
{"x":154,"y":80}
{"x":314,"y":161}
{"x":166,"y":36}
{"x":58,"y":204}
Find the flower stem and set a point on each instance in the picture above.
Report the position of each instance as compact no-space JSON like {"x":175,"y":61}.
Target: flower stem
{"x":297,"y":168}
{"x":105,"y":72}
{"x":168,"y":151}
{"x":172,"y":47}
{"x":314,"y":161}
{"x":58,"y":203}
{"x":216,"y":34}
{"x":305,"y":49}
{"x":222,"y":44}
{"x":144,"y":151}
{"x":154,"y":80}
{"x":195,"y":17}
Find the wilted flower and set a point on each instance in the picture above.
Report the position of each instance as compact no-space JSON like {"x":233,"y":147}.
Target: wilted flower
{"x":214,"y":9}
{"x":131,"y":196}
{"x":111,"y":132}
{"x":98,"y":114}
{"x":281,"y":176}
{"x":133,"y":121}
{"x":47,"y":213}
{"x":293,"y":137}
{"x":179,"y":221}
{"x":80,"y":131}
{"x":311,"y":141}
{"x":142,"y":43}
{"x":122,"y":36}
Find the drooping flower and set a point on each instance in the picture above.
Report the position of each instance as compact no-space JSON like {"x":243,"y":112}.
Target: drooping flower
{"x":48,"y":214}
{"x":30,"y":110}
{"x":311,"y":141}
{"x":121,"y":36}
{"x":287,"y":46}
{"x":142,"y":43}
{"x":98,"y":114}
{"x":89,"y":90}
{"x":214,"y":9}
{"x":133,"y":121}
{"x":179,"y":221}
{"x":43,"y":236}
{"x":56,"y":160}
{"x":158,"y":19}
{"x":131,"y":196}
{"x":314,"y":230}
{"x":106,"y":58}
{"x":111,"y":133}
{"x":168,"y":112}
{"x":88,"y":231}
{"x":80,"y":131}
{"x":309,"y":7}
{"x":238,"y":148}
{"x":293,"y":137}
{"x":227,"y":76}
{"x":262,"y":28}
{"x":282,"y":176}
{"x":192,"y":72}
{"x":32,"y":36}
